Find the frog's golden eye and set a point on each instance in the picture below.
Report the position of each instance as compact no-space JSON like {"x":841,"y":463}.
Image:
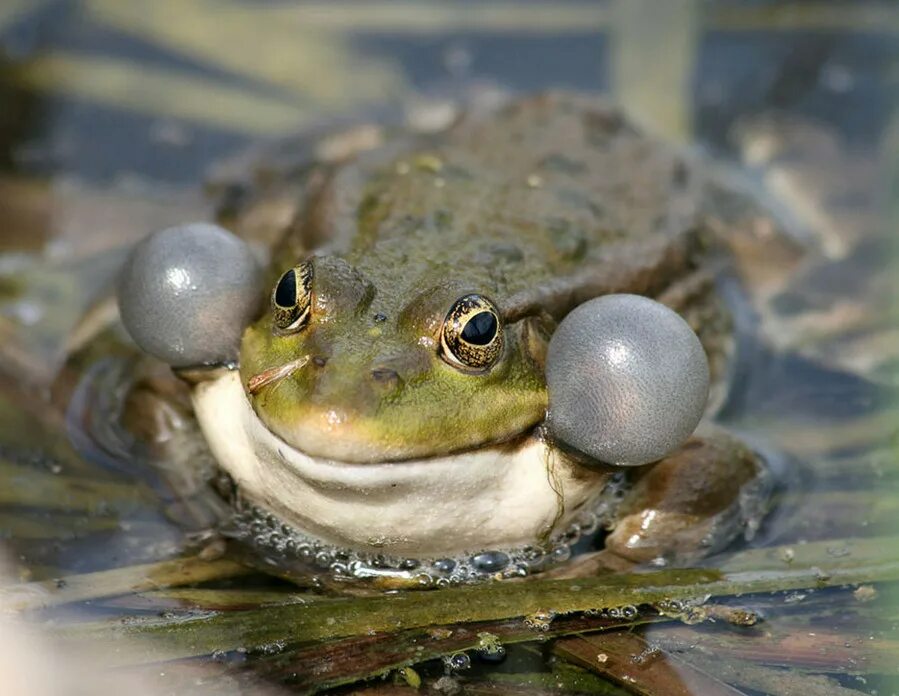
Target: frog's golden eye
{"x":472,"y":335}
{"x":292,"y":298}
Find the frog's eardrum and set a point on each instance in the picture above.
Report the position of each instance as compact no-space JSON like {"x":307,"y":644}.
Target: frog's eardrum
{"x":186,"y":294}
{"x":628,"y":380}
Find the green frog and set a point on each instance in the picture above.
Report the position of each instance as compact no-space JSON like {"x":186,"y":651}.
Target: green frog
{"x":385,"y":413}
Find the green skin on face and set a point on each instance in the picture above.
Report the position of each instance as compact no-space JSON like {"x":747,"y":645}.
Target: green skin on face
{"x":547,"y":204}
{"x":381,"y":387}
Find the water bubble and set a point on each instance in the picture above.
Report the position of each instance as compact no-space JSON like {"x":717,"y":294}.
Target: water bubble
{"x":518,"y":570}
{"x":588,"y":523}
{"x":278,"y":541}
{"x":490,"y":561}
{"x":531,"y":553}
{"x":537,"y":563}
{"x":456,"y":662}
{"x":626,"y":612}
{"x":424,"y":580}
{"x":670,"y":607}
{"x":560,"y":554}
{"x":540,"y":620}
{"x":444,"y":565}
{"x":273,"y":648}
{"x":648,"y":654}
{"x":340,"y":569}
{"x":572,"y":536}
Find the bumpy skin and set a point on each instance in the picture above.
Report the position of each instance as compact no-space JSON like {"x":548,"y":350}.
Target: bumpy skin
{"x":690,"y":504}
{"x":553,"y":201}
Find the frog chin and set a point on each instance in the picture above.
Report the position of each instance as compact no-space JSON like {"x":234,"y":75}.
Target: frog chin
{"x":496,"y":497}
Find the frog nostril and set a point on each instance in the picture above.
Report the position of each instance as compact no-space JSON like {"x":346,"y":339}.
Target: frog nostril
{"x":385,"y":375}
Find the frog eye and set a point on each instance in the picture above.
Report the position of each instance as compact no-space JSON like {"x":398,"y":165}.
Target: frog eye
{"x":292,"y":298}
{"x":472,"y":335}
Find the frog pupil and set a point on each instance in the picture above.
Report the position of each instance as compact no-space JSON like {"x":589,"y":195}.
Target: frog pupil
{"x":480,"y":329}
{"x":286,"y":292}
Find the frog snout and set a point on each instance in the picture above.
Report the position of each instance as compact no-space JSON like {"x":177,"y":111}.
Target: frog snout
{"x":339,"y":377}
{"x":385,"y":376}
{"x":392,"y":369}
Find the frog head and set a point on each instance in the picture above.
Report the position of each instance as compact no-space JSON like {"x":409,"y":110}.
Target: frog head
{"x":343,"y":366}
{"x":377,"y":414}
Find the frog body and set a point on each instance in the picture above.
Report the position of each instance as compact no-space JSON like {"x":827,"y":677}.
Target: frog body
{"x":361,"y":418}
{"x":540,"y":208}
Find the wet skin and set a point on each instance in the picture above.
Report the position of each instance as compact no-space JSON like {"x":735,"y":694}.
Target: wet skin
{"x":551,"y":202}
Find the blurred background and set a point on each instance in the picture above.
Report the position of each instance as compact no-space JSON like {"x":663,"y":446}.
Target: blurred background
{"x":155,"y":90}
{"x":114,"y":113}
{"x":115,"y":116}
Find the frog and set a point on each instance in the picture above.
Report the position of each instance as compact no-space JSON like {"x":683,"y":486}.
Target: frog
{"x":383,"y":410}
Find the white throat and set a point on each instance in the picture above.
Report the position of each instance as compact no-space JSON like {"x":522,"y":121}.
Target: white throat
{"x":492,"y":498}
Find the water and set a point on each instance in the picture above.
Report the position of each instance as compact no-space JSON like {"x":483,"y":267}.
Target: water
{"x":113,"y":115}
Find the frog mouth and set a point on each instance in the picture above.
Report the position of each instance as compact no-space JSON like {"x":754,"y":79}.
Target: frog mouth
{"x":336,"y":429}
{"x":499,"y":496}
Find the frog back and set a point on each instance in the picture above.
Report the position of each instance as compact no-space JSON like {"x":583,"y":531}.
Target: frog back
{"x":549,"y":202}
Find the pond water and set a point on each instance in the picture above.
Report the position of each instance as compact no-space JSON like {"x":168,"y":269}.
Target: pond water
{"x":115,"y":114}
